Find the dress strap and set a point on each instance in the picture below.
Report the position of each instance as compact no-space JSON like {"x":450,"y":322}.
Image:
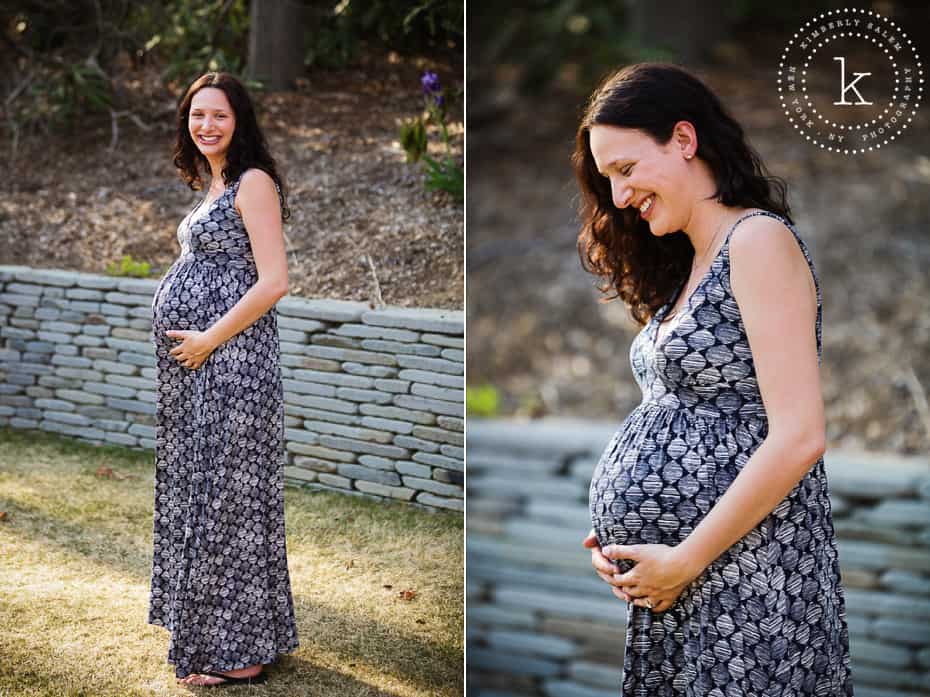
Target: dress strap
{"x":794,"y":232}
{"x":750,"y":214}
{"x":810,"y":263}
{"x":235,"y":185}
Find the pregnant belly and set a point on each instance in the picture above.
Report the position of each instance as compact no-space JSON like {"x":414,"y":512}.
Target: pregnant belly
{"x":181,"y":302}
{"x":650,"y":490}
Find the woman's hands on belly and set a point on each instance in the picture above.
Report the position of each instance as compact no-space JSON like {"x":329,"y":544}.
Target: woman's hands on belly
{"x":660,"y":573}
{"x":194,"y":349}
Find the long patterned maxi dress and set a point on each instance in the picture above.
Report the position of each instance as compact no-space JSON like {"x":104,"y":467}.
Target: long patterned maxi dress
{"x":767,"y":618}
{"x":220,"y":581}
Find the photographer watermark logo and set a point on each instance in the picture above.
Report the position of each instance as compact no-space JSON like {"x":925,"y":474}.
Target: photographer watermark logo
{"x":850,"y":81}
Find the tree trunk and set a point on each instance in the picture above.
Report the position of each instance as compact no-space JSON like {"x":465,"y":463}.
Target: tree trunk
{"x":276,"y":52}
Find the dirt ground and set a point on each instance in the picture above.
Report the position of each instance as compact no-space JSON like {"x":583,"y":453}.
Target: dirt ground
{"x":537,"y":331}
{"x":74,"y":204}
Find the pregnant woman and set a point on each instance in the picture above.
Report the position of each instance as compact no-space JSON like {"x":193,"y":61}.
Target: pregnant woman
{"x":220,"y":581}
{"x":710,"y":504}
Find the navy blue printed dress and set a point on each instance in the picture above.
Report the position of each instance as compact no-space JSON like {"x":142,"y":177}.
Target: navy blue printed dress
{"x":220,"y":581}
{"x":767,"y":618}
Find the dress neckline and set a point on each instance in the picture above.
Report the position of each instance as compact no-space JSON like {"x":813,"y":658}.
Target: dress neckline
{"x":686,"y":307}
{"x":203,"y":211}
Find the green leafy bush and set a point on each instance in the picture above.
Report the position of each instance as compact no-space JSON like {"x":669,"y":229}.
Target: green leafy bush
{"x":195,"y":37}
{"x":129,"y":267}
{"x":482,"y":400}
{"x":69,"y":54}
{"x":409,"y":26}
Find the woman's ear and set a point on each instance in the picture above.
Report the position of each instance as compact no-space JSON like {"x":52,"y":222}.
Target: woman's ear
{"x":685,"y":138}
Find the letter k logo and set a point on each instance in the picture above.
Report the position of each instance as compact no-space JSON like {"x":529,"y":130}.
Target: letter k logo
{"x":844,"y":88}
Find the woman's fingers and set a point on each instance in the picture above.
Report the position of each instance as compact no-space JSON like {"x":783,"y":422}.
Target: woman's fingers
{"x":625,"y":592}
{"x":658,"y":604}
{"x":620,"y":594}
{"x":602,"y":564}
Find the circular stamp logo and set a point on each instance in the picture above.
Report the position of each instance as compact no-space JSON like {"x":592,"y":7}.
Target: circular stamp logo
{"x":850,"y":81}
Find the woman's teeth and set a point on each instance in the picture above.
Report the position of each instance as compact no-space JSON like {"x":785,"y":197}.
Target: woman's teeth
{"x":647,"y":204}
{"x":209,"y":141}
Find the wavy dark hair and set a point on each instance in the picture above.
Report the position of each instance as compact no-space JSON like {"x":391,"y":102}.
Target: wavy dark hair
{"x":248,"y":147}
{"x":616,"y":244}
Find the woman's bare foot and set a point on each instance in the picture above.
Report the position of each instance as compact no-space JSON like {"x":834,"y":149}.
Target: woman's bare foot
{"x":200,"y":680}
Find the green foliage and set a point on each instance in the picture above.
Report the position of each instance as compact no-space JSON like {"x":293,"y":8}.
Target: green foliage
{"x":195,"y":37}
{"x":331,"y":43}
{"x":70,"y":53}
{"x":129,"y":267}
{"x":413,"y":139}
{"x":482,"y":400}
{"x":445,"y":176}
{"x":552,"y":38}
{"x":62,"y":95}
{"x":408,"y":26}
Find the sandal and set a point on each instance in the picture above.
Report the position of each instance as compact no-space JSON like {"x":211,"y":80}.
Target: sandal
{"x":228,"y":679}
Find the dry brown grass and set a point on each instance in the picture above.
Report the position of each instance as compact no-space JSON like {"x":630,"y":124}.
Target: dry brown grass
{"x":76,"y":551}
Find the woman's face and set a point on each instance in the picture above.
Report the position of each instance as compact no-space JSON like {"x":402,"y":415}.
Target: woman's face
{"x":211,"y":121}
{"x":649,"y":177}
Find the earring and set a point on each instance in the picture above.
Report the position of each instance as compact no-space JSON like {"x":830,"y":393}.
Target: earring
{"x":688,"y":157}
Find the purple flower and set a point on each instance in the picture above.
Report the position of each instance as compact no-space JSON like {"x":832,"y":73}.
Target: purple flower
{"x":430,"y":83}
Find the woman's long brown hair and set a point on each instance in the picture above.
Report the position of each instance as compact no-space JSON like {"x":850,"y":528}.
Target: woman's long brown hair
{"x":616,"y":244}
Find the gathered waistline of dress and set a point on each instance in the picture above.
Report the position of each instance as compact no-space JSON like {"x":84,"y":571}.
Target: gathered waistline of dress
{"x":232,"y":263}
{"x":756,"y":412}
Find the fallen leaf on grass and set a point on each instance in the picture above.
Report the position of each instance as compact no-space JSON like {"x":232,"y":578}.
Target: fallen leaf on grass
{"x":108,"y":473}
{"x":350,"y":564}
{"x":2,"y":515}
{"x":388,"y":586}
{"x":407,"y":595}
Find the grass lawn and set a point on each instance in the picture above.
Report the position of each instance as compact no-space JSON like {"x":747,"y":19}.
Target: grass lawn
{"x":76,"y":550}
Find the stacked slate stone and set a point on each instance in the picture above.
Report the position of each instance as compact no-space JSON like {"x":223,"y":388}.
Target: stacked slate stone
{"x":374,"y":399}
{"x":541,"y":623}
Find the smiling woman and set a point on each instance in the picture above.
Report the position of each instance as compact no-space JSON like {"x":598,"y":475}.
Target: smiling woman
{"x":709,"y":505}
{"x":220,"y":581}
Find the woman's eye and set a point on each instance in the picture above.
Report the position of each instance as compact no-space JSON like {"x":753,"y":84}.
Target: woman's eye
{"x":626,"y":171}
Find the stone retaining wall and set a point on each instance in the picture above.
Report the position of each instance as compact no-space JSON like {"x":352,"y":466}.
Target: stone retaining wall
{"x":374,"y":400}
{"x":540,"y":622}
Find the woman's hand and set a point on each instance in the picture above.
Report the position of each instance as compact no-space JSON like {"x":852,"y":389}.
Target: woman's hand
{"x":194,"y":349}
{"x":660,"y":574}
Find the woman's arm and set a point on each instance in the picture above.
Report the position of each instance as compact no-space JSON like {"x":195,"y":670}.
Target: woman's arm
{"x":258,"y":205}
{"x":775,"y":291}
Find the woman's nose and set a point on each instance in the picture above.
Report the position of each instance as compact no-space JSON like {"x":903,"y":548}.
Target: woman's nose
{"x":622,"y":194}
